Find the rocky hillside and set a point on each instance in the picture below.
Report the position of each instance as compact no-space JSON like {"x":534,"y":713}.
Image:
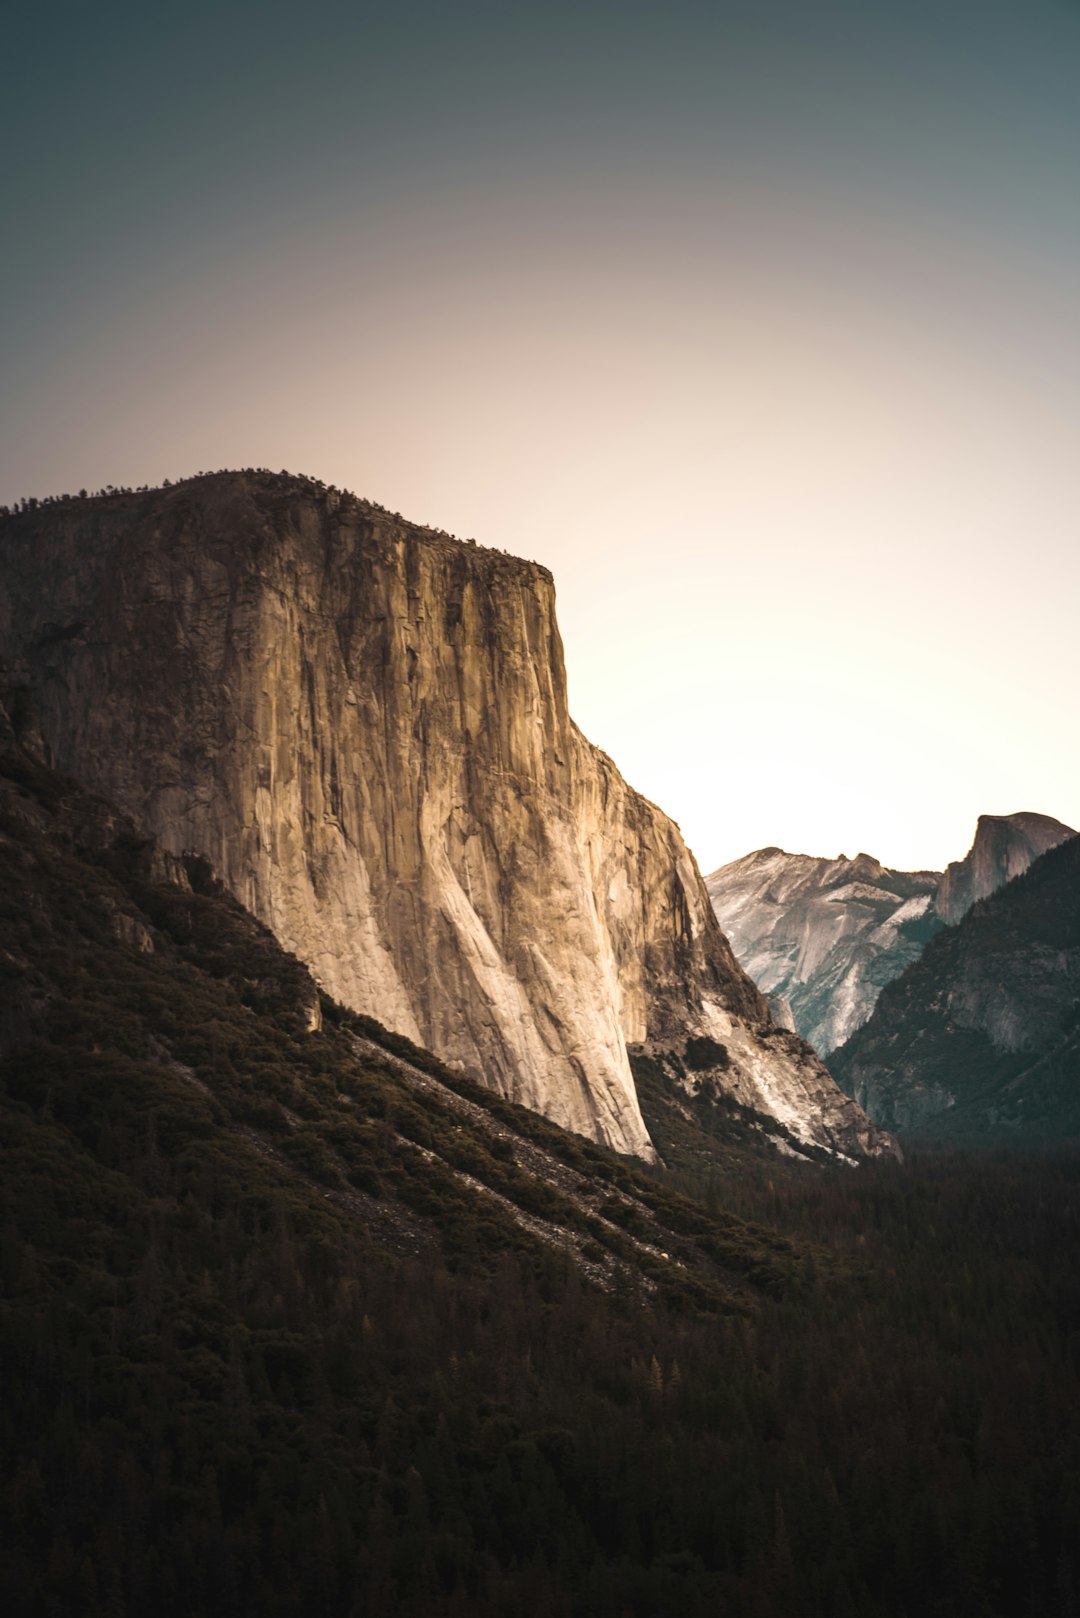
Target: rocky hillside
{"x":983,"y":1031}
{"x":822,"y":937}
{"x":362,"y":726}
{"x":1005,"y":847}
{"x":140,"y":1000}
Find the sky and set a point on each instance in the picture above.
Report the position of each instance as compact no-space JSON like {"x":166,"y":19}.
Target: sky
{"x":755,"y":322}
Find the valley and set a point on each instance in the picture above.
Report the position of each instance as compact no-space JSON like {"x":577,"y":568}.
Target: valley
{"x":294,"y":1315}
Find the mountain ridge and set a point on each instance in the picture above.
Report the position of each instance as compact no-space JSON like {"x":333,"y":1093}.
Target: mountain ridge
{"x":822,"y":937}
{"x":363,"y":726}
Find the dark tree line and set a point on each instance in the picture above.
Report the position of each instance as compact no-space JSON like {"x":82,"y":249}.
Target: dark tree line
{"x":294,"y":482}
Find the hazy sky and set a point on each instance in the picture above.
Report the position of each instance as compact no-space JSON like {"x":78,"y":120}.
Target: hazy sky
{"x":758,"y":323}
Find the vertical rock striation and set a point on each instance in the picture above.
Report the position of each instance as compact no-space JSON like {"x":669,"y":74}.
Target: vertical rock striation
{"x":363,"y":726}
{"x":821,"y":937}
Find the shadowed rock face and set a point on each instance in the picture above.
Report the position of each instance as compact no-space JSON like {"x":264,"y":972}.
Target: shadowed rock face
{"x":821,"y":937}
{"x":1004,"y":847}
{"x":363,"y":726}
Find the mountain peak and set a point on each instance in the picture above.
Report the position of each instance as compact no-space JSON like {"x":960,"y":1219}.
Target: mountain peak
{"x":1003,"y":848}
{"x":979,"y":1035}
{"x":820,"y":936}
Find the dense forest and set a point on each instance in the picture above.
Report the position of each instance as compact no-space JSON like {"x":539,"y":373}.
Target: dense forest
{"x":296,"y":1322}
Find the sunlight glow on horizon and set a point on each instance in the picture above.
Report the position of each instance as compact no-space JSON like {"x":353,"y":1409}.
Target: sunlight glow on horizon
{"x":782,"y":386}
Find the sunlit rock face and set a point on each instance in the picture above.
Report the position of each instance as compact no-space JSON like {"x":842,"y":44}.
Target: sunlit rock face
{"x":822,"y":937}
{"x":1004,"y":847}
{"x":363,"y":726}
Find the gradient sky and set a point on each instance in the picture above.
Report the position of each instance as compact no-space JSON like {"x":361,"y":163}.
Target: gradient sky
{"x":758,"y":323}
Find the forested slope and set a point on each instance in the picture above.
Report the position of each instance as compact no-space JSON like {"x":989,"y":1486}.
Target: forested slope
{"x":296,"y":1321}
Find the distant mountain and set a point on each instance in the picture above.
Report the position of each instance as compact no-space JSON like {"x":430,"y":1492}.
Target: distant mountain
{"x":821,"y":937}
{"x":983,"y":1031}
{"x":1004,"y":847}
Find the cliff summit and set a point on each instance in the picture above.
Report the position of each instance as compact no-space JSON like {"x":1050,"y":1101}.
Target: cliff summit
{"x":363,"y":726}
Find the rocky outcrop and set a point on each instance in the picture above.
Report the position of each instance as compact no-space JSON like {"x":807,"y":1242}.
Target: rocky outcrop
{"x":363,"y":726}
{"x":1004,"y":847}
{"x":822,"y":937}
{"x":982,"y":1034}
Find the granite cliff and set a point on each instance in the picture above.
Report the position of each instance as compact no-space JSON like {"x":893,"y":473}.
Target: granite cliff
{"x":1005,"y":847}
{"x":362,"y":725}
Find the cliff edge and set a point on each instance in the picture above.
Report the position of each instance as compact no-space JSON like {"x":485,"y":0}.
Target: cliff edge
{"x":363,"y":726}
